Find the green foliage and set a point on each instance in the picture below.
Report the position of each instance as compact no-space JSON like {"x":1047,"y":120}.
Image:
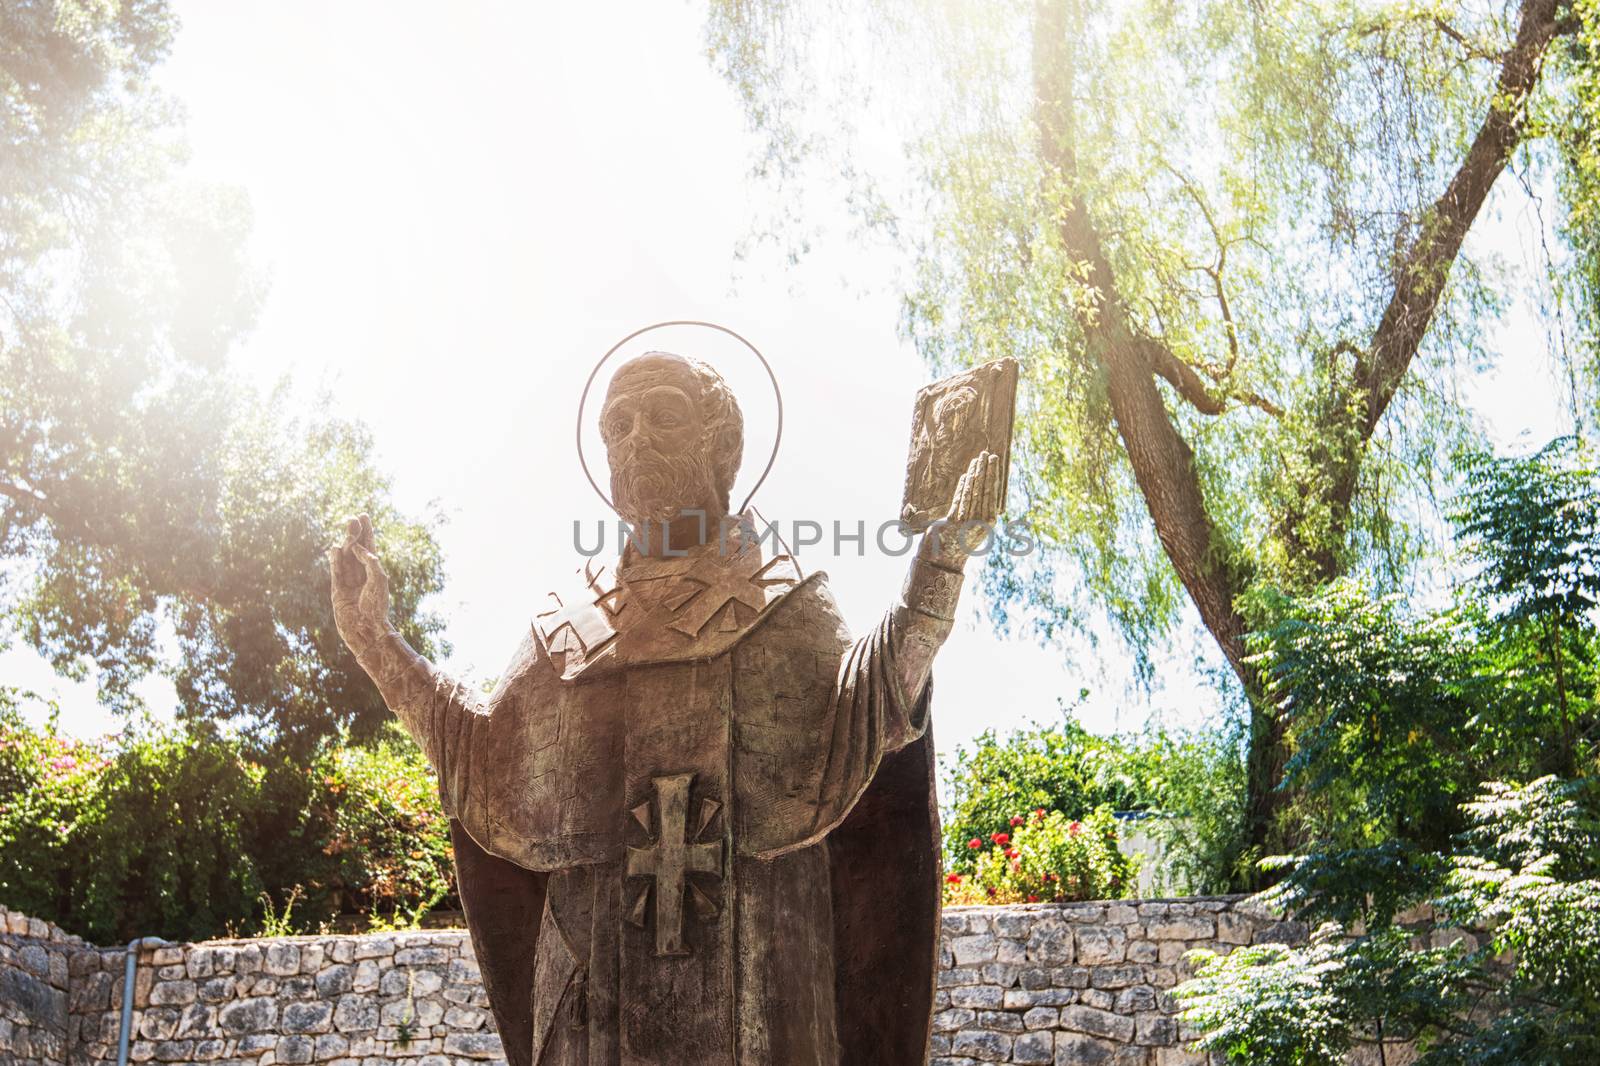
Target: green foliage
{"x":1198,"y":784}
{"x":381,"y":824}
{"x":278,"y":921}
{"x":181,"y":833}
{"x":1276,"y":1005}
{"x":1397,"y":716}
{"x":1045,"y":857}
{"x":1531,"y":874}
{"x":1573,"y":122}
{"x":1256,"y":174}
{"x":1411,"y":730}
{"x":1058,"y":768}
{"x":1194,"y":784}
{"x":146,"y":489}
{"x":116,"y":840}
{"x":1533,"y":524}
{"x":1525,"y":989}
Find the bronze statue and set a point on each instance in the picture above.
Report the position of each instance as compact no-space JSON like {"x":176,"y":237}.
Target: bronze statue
{"x":695,"y":821}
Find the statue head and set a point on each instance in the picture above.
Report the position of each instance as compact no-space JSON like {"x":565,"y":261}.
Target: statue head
{"x":674,"y":437}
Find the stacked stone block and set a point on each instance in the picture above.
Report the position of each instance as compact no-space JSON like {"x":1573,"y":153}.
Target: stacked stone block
{"x":1044,"y":984}
{"x":1083,"y":984}
{"x":342,"y":1000}
{"x":35,"y":962}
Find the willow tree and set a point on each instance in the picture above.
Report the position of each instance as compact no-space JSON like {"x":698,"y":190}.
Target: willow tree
{"x":157,"y":514}
{"x":1229,"y":242}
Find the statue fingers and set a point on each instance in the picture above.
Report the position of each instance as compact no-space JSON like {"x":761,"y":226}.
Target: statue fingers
{"x":346,"y":574}
{"x":375,"y":591}
{"x":366,"y":538}
{"x":370,"y":563}
{"x":963,"y":498}
{"x":977,"y":489}
{"x":995,"y":498}
{"x":977,"y":505}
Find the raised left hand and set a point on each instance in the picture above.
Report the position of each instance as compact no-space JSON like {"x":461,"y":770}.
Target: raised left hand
{"x":974,"y":509}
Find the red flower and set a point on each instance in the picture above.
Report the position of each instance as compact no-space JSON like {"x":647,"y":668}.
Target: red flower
{"x":993,"y":891}
{"x":1039,"y":814}
{"x":1001,"y":838}
{"x":1033,"y":899}
{"x":1012,"y":853}
{"x":954,"y":879}
{"x":1049,"y":877}
{"x":1075,"y":828}
{"x":1016,"y":820}
{"x":974,"y":843}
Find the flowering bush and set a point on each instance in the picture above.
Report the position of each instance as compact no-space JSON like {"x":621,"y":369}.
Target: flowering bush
{"x":386,"y":833}
{"x":1045,"y":857}
{"x":1194,"y":779}
{"x":184,"y":834}
{"x":111,"y":838}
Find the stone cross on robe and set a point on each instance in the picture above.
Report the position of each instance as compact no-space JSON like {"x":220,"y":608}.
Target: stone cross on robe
{"x":671,"y":860}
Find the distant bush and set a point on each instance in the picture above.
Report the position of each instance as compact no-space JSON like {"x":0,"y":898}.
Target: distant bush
{"x":180,"y":833}
{"x":386,"y":837}
{"x":1196,"y":779}
{"x":117,"y":839}
{"x":1045,"y":857}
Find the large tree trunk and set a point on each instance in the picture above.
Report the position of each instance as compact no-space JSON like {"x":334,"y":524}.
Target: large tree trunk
{"x":1162,"y":461}
{"x":1213,"y":573}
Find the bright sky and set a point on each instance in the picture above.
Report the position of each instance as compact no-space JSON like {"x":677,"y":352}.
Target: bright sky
{"x":460,"y":214}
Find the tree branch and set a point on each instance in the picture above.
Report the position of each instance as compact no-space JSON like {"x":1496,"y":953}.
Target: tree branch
{"x":1426,"y":265}
{"x":1162,"y":461}
{"x":1382,"y":365}
{"x":1186,"y":379}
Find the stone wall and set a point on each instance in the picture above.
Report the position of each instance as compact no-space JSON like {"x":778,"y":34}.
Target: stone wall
{"x":35,"y":960}
{"x":345,"y":1000}
{"x":1080,"y":983}
{"x":1044,"y":984}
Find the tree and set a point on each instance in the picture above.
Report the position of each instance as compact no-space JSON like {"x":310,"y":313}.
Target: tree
{"x":1413,"y":733}
{"x":156,"y":512}
{"x":1228,"y":242}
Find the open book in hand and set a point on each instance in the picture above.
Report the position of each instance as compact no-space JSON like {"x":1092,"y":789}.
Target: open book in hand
{"x":955,"y":420}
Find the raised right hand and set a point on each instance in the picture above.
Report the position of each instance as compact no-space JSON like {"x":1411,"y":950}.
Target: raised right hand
{"x":360,"y":587}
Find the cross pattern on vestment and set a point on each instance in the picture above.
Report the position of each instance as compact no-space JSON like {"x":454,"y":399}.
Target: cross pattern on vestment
{"x":577,"y":629}
{"x":671,"y":859}
{"x":714,"y":587}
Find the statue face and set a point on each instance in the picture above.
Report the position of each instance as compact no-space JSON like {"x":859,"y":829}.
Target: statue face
{"x":656,"y":441}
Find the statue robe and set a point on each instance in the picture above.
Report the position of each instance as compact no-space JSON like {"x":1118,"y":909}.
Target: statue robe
{"x":695,"y":825}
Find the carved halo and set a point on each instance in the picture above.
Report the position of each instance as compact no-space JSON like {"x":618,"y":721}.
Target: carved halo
{"x":777,"y":392}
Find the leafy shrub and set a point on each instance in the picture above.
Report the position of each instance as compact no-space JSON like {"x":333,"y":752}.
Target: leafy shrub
{"x":1195,"y":780}
{"x":386,"y":831}
{"x":1045,"y":857}
{"x":1407,"y":728}
{"x":1527,"y":878}
{"x":117,"y":839}
{"x":180,"y":833}
{"x":1059,"y":768}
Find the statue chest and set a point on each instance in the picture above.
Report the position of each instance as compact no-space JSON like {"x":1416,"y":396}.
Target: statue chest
{"x":675,"y":938}
{"x":665,"y":755}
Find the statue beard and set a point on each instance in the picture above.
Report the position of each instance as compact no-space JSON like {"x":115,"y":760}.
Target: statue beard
{"x":647,"y":486}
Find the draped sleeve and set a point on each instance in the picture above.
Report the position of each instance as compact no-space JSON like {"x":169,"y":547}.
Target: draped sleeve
{"x":811,"y":746}
{"x":461,"y":732}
